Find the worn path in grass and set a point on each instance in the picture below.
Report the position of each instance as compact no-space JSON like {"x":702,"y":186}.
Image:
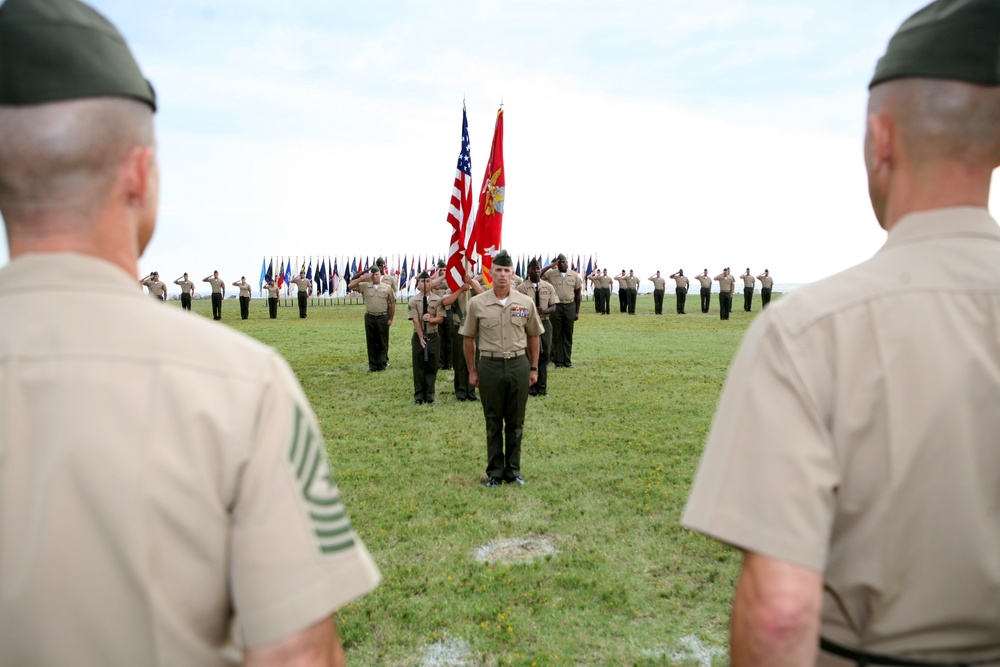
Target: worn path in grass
{"x":608,"y":456}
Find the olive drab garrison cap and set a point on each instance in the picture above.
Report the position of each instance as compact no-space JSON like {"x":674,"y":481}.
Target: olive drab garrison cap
{"x":56,"y":50}
{"x":423,"y":276}
{"x":503,"y":259}
{"x":947,"y":39}
{"x":533,"y":262}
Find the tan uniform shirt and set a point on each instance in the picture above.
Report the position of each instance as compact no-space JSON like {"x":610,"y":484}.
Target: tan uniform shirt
{"x":683,"y":282}
{"x":415,"y":310}
{"x":546,"y":295}
{"x":303,"y":284}
{"x":377,"y":297}
{"x":218,"y":286}
{"x":273,"y":291}
{"x":632,"y":282}
{"x":245,"y":288}
{"x":502,"y":328}
{"x":767,"y":282}
{"x":857,"y":436}
{"x":390,"y":281}
{"x":622,"y":283}
{"x":726,"y":283}
{"x":748,"y":281}
{"x":156,"y":288}
{"x":184,"y":481}
{"x":516,"y":280}
{"x":187,"y":287}
{"x":705,"y":281}
{"x":564,"y":285}
{"x":658,"y":283}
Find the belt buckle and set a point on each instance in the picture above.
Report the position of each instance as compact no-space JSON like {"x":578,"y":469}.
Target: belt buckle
{"x":508,"y":355}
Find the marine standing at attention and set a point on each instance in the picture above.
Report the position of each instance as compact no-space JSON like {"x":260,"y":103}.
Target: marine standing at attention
{"x":162,"y":517}
{"x":508,"y":327}
{"x":681,"y":283}
{"x":544,"y":296}
{"x":245,"y":292}
{"x":304,"y":289}
{"x":766,"y":283}
{"x":156,"y":288}
{"x":272,"y":298}
{"x":727,"y":285}
{"x":380,"y":308}
{"x":706,"y":290}
{"x":444,"y":329}
{"x":659,"y":287}
{"x":187,"y":289}
{"x":622,"y":280}
{"x":455,"y":300}
{"x":568,"y":286}
{"x":218,"y":293}
{"x":632,"y":281}
{"x":426,"y":313}
{"x":854,"y":456}
{"x":748,"y":283}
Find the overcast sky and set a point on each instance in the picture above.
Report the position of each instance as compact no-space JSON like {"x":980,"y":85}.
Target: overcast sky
{"x":650,"y":134}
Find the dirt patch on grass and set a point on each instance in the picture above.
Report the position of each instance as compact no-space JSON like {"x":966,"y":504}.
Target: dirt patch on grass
{"x":517,"y":550}
{"x":446,"y":653}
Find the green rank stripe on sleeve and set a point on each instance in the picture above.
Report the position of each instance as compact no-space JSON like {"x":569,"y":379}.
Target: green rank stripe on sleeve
{"x":309,"y":465}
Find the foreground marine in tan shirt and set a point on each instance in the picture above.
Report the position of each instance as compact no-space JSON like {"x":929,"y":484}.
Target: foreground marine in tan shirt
{"x":179,"y":509}
{"x":854,"y":456}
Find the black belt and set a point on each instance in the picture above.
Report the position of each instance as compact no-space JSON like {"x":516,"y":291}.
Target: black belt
{"x":863,"y":659}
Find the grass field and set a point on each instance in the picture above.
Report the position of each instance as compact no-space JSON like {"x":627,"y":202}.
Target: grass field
{"x":608,"y":457}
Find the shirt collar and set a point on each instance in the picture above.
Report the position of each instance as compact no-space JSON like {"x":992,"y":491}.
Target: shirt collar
{"x":950,"y":222}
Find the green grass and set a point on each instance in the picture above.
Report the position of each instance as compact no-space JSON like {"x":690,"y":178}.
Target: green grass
{"x":608,"y":456}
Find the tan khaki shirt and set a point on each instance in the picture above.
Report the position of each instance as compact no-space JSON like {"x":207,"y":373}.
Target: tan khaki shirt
{"x":183,"y":491}
{"x":377,"y":297}
{"x":658,"y":283}
{"x":186,"y":285}
{"x":502,"y":328}
{"x":415,"y":310}
{"x":273,"y":291}
{"x":218,"y":286}
{"x":303,"y":284}
{"x":683,"y":282}
{"x":564,"y":285}
{"x":726,"y":283}
{"x":622,"y":283}
{"x":857,"y":436}
{"x":632,"y":282}
{"x":767,"y":282}
{"x":390,"y":281}
{"x":245,"y":288}
{"x":748,"y":281}
{"x":156,"y":288}
{"x":705,"y":281}
{"x":546,"y":295}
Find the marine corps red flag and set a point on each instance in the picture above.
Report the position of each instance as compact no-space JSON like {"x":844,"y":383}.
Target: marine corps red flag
{"x":489,"y":216}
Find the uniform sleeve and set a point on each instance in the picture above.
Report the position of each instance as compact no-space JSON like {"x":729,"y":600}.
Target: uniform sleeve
{"x":411,"y":310}
{"x":471,"y":326}
{"x":534,"y":326}
{"x":768,"y":474}
{"x":294,"y":555}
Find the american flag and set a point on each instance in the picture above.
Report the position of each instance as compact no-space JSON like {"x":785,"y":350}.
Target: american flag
{"x":460,"y":212}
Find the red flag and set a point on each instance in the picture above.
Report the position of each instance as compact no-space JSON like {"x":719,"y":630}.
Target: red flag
{"x":489,"y":216}
{"x":459,"y":212}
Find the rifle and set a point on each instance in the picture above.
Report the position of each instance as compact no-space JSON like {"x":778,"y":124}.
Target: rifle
{"x":423,"y":330}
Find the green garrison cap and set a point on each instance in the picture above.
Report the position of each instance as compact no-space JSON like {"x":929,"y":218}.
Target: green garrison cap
{"x":533,"y":262}
{"x":561,"y":258}
{"x":423,"y":275}
{"x":54,"y":50}
{"x":441,"y":264}
{"x":503,"y":259}
{"x":947,"y":39}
